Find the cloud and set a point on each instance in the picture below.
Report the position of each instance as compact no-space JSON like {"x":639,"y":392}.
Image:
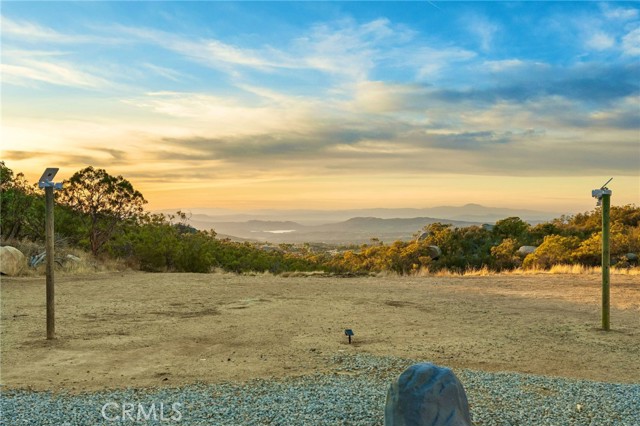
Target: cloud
{"x":330,"y":54}
{"x":30,"y":32}
{"x":504,"y":138}
{"x":375,"y":98}
{"x":164,"y":72}
{"x":468,"y":141}
{"x":631,"y":43}
{"x":241,"y":114}
{"x":431,"y":62}
{"x":211,"y":52}
{"x":600,"y":41}
{"x":531,"y":109}
{"x":624,"y":115}
{"x":25,"y":30}
{"x":20,"y":155}
{"x":285,"y":146}
{"x":618,"y":13}
{"x":529,"y":153}
{"x":343,"y":48}
{"x":372,"y":148}
{"x":32,"y":68}
{"x":383,"y":97}
{"x":114,"y":156}
{"x":588,"y":82}
{"x":504,"y":65}
{"x":26,"y":72}
{"x":591,"y":34}
{"x":348,"y":48}
{"x":63,"y":159}
{"x":483,"y":29}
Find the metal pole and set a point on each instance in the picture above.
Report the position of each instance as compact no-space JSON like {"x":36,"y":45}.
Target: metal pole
{"x":606,"y":204}
{"x":51,"y":315}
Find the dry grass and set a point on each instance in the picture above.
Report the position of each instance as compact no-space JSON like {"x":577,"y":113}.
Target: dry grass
{"x":88,"y":264}
{"x":26,"y":247}
{"x":302,"y":274}
{"x":555,"y":270}
{"x":577,"y":270}
{"x":66,"y":258}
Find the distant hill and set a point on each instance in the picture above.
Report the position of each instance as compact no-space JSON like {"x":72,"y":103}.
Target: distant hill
{"x":476,"y":212}
{"x":348,"y":226}
{"x":467,"y":213}
{"x":357,"y":230}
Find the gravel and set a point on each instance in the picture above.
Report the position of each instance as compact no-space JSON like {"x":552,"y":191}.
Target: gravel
{"x":353,"y":394}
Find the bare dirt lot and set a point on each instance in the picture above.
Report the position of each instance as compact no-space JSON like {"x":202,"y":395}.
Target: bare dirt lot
{"x":117,"y":330}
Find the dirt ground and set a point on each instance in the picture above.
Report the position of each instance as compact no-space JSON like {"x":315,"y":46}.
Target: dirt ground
{"x":134,"y":329}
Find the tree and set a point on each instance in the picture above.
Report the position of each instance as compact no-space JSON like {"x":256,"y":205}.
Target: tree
{"x":554,"y":250}
{"x":541,"y":230}
{"x":621,"y":242}
{"x":505,"y":256}
{"x":6,"y":177}
{"x":103,"y":202}
{"x":22,"y":210}
{"x":514,"y":228}
{"x":152,"y":242}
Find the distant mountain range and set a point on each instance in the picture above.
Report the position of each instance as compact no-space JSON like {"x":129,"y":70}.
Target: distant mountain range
{"x":357,"y":230}
{"x":348,"y":226}
{"x":468,"y":212}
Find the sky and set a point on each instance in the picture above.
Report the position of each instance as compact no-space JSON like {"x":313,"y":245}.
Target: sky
{"x":329,"y":105}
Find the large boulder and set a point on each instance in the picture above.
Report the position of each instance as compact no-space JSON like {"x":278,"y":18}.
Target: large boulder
{"x":427,"y":395}
{"x":526,"y":250}
{"x":12,"y":261}
{"x":435,"y":252}
{"x":627,"y":261}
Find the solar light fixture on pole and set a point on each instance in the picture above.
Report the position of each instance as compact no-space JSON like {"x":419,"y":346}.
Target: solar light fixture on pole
{"x":46,"y":182}
{"x":349,"y":332}
{"x":604,"y":199}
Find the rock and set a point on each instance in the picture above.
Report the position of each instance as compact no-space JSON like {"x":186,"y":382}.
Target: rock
{"x":435,"y":252}
{"x":12,"y":261}
{"x":73,"y":258}
{"x":526,"y":250}
{"x":628,"y":260}
{"x":427,"y":395}
{"x":270,"y":249}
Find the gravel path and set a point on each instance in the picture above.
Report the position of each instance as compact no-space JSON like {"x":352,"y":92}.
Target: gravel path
{"x":353,"y":395}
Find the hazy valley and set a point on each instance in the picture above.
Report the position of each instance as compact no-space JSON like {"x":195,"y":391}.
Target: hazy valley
{"x":347,"y":226}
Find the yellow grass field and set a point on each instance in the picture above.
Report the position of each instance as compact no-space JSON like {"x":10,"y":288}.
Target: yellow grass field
{"x":133,"y":329}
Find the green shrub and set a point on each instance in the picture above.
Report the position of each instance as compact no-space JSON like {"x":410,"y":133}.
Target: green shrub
{"x":555,"y":249}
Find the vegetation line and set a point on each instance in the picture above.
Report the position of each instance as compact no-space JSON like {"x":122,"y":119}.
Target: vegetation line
{"x":104,"y":215}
